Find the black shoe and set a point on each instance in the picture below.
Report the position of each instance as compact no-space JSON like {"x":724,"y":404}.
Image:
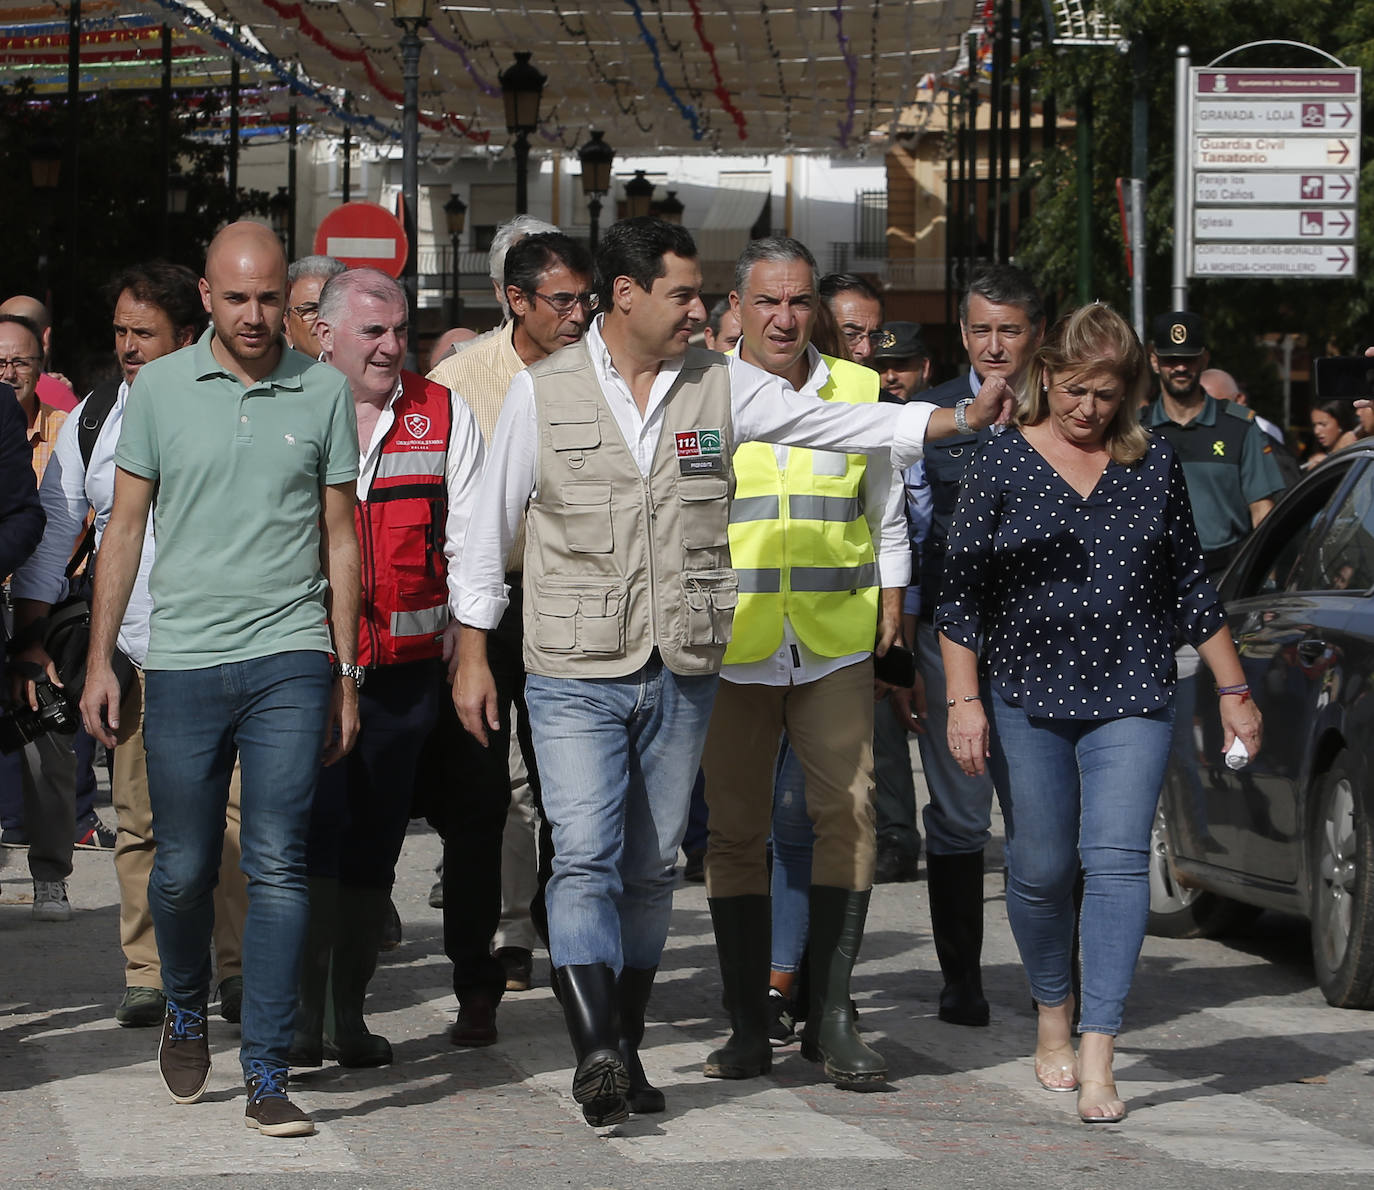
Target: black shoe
{"x":183,"y":1055}
{"x":476,"y":1023}
{"x":895,"y":864}
{"x":141,"y":1008}
{"x":591,"y":1009}
{"x":519,"y":967}
{"x":782,"y":1024}
{"x":269,"y":1110}
{"x":955,"y":884}
{"x":695,"y":870}
{"x":231,"y":999}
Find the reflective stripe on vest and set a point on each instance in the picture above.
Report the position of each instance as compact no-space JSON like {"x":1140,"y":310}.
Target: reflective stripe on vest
{"x":426,"y":622}
{"x":412,"y":464}
{"x":809,"y":558}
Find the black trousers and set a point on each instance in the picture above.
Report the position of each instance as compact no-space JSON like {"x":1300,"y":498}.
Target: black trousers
{"x":469,"y":809}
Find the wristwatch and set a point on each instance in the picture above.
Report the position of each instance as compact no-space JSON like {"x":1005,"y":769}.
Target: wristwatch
{"x":961,"y":416}
{"x":343,"y":670}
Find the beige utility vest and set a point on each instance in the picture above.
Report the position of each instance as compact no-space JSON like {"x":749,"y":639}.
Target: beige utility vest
{"x":616,"y":563}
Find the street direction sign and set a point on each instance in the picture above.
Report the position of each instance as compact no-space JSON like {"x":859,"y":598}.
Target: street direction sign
{"x":1274,"y":158}
{"x":1273,"y":260}
{"x":363,"y":235}
{"x":1274,"y":189}
{"x":1273,"y":223}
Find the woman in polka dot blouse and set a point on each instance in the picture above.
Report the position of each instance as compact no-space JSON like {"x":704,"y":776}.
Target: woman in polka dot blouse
{"x":1073,"y":568}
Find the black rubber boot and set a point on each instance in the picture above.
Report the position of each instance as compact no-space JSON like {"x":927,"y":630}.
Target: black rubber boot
{"x":363,"y":914}
{"x":744,"y":927}
{"x":307,"y":1046}
{"x":830,"y":1036}
{"x":590,"y":1008}
{"x":635,"y":985}
{"x":955,"y":888}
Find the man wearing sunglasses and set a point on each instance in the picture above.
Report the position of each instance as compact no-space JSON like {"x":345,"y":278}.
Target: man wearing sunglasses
{"x":548,"y":279}
{"x":304,"y":280}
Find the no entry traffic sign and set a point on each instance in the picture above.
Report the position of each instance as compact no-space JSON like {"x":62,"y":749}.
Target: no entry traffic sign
{"x":363,"y":235}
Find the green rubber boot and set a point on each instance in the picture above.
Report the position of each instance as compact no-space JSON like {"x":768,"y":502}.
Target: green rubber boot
{"x":744,"y":927}
{"x":830,"y":1036}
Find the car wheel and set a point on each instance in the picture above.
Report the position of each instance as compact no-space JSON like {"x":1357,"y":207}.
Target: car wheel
{"x":1342,"y":850}
{"x":1180,"y":912}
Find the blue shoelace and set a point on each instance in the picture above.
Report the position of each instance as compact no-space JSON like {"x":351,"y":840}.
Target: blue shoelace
{"x":271,"y":1081}
{"x":184,"y":1021}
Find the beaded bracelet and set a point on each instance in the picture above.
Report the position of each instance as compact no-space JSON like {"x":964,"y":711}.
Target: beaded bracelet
{"x":1242,"y":691}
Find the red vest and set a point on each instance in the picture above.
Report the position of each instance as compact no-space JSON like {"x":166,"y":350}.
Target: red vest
{"x":401,"y":532}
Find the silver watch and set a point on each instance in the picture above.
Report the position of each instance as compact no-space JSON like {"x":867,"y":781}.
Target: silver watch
{"x":961,"y":416}
{"x":343,"y":670}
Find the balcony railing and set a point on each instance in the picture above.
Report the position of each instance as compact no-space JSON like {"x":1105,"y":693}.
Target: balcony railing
{"x":902,"y":273}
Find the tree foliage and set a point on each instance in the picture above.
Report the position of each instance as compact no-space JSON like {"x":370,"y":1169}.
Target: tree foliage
{"x":119,"y":206}
{"x":1238,"y":311}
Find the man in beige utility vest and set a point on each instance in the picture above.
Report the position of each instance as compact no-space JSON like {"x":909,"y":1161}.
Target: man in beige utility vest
{"x":548,"y":281}
{"x":814,"y":537}
{"x":618,"y":450}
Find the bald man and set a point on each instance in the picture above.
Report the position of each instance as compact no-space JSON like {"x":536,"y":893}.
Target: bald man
{"x":53,"y":388}
{"x":252,"y":449}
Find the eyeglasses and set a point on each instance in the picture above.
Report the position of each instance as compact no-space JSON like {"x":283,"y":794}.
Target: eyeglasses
{"x":306,"y":311}
{"x":562,"y":303}
{"x":857,"y":334}
{"x":20,"y":363}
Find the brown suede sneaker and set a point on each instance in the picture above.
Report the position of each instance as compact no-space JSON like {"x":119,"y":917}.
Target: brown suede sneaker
{"x":269,"y":1110}
{"x":183,"y":1055}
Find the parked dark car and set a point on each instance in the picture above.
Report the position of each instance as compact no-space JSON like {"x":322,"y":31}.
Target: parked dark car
{"x":1294,"y":830}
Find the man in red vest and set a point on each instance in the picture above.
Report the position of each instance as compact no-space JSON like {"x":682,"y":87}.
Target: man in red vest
{"x":420,"y":456}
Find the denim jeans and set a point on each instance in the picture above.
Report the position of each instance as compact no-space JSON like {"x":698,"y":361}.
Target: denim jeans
{"x":1079,"y":792}
{"x":273,"y":712}
{"x":793,"y":839}
{"x":618,"y":757}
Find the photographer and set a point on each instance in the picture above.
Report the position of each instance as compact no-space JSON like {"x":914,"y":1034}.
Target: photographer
{"x":157,"y":309}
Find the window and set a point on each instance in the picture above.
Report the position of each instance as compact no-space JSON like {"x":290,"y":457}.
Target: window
{"x":870,"y":223}
{"x":1276,"y":563}
{"x":1344,"y":557}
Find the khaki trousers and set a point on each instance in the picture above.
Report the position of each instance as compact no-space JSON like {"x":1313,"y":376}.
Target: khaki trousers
{"x":829,"y":723}
{"x":133,"y":859}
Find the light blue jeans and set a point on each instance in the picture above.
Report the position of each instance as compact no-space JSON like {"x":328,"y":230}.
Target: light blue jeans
{"x":617,"y":757}
{"x":1079,"y":792}
{"x":793,"y":839}
{"x":273,"y":713}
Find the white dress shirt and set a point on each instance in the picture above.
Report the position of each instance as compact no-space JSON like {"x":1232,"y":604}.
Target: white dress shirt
{"x":69,"y":492}
{"x":762,"y":409}
{"x":793,"y":663}
{"x":462,"y":469}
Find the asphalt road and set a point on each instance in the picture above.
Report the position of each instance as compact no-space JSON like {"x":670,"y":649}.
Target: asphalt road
{"x":1236,"y":1072}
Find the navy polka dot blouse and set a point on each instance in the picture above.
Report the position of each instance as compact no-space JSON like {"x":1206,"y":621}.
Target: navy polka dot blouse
{"x":1079,"y":601}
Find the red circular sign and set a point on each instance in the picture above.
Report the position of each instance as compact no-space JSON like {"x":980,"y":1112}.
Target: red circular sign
{"x":363,"y":235}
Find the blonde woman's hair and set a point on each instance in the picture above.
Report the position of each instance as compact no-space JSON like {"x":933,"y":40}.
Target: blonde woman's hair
{"x":1093,"y":338}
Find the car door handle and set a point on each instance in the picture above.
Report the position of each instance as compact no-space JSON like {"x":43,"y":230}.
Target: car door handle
{"x":1311,"y":651}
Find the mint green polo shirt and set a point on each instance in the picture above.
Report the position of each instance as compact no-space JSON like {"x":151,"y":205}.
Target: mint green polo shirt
{"x":238,"y":504}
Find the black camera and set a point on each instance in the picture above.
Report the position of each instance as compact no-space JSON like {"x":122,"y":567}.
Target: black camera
{"x":23,"y":725}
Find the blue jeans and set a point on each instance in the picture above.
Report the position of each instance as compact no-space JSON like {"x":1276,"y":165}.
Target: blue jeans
{"x":618,"y":757}
{"x":272,"y":712}
{"x":793,"y":839}
{"x":1079,"y":792}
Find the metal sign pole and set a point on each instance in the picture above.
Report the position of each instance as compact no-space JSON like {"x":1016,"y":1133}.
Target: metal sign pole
{"x":1182,"y":174}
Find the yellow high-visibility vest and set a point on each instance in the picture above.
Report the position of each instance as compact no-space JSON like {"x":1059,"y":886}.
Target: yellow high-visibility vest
{"x":800,"y":544}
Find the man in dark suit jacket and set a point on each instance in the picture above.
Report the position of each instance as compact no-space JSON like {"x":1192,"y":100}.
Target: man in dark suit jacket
{"x":21,"y":516}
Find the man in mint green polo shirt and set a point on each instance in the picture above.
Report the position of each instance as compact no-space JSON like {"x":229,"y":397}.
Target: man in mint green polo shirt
{"x":251,"y":450}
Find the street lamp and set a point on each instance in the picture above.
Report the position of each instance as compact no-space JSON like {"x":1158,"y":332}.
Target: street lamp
{"x":521,"y":86}
{"x":178,"y":194}
{"x":639,"y":195}
{"x":671,"y":208}
{"x":456,"y":215}
{"x":45,"y":163}
{"x":410,"y":15}
{"x":596,"y":157}
{"x":279,"y":212}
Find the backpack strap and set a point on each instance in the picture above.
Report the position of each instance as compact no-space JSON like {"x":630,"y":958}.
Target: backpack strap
{"x":94,"y":413}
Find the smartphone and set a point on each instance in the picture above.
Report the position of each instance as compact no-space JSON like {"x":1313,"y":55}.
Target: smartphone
{"x":896,"y":667}
{"x":1344,"y":377}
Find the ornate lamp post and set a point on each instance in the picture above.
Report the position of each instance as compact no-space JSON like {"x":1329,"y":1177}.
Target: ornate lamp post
{"x":279,"y":212}
{"x":670,"y":209}
{"x":639,"y":195}
{"x":521,"y":87}
{"x":596,"y":157}
{"x":456,"y":215}
{"x":410,"y":15}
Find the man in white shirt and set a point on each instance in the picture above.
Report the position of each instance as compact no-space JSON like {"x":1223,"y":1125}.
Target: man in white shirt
{"x":819,"y":542}
{"x":618,"y":451}
{"x":157,"y":310}
{"x":420,"y":452}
